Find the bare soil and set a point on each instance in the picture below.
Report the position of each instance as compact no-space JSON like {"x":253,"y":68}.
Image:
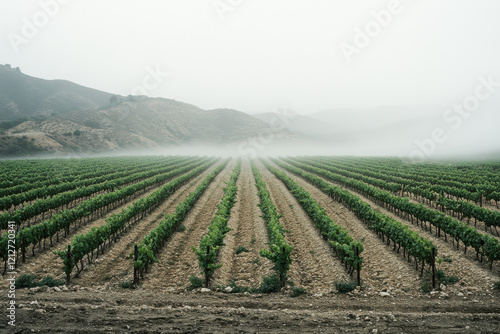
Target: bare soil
{"x":314,"y":265}
{"x":141,"y":311}
{"x":248,"y":230}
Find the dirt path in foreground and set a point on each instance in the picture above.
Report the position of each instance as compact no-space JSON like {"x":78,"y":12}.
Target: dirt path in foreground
{"x":248,"y":229}
{"x":383,"y":268}
{"x":177,"y":261}
{"x":314,"y":265}
{"x":115,"y":265}
{"x":139,"y":311}
{"x":474,"y":276}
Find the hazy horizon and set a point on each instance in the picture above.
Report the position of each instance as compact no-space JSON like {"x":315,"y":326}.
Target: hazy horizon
{"x":428,"y":69}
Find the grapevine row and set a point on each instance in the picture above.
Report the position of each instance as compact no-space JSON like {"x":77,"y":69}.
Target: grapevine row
{"x":428,"y":185}
{"x":42,"y":205}
{"x":84,"y":245}
{"x":148,"y":248}
{"x":82,"y":171}
{"x":279,"y":251}
{"x":422,"y":250}
{"x":466,"y":209}
{"x":483,"y":244}
{"x":210,"y":244}
{"x":31,"y":236}
{"x":348,"y":250}
{"x":41,"y":192}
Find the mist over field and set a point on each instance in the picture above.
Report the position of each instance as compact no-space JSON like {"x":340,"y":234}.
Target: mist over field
{"x":255,"y":78}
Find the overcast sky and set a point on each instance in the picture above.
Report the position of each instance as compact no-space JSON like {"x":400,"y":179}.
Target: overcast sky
{"x":259,"y":55}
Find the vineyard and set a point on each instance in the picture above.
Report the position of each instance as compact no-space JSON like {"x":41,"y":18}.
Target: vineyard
{"x":319,"y":226}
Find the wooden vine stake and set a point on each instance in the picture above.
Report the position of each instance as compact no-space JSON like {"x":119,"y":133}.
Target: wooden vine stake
{"x":136,"y":270}
{"x":433,"y":265}
{"x":68,"y":262}
{"x":206,"y":270}
{"x":358,"y":269}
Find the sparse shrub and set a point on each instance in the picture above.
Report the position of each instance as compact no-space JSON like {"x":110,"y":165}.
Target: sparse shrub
{"x":237,"y":288}
{"x":442,"y":278}
{"x":440,"y":275}
{"x":496,"y":285}
{"x":447,"y":259}
{"x":450,"y":280}
{"x":297,"y":292}
{"x":29,"y":281}
{"x":181,"y":228}
{"x":51,"y":282}
{"x":25,"y":281}
{"x":345,"y":287}
{"x":270,"y":284}
{"x":196,"y":282}
{"x":240,"y":250}
{"x":426,"y":286}
{"x":256,"y":261}
{"x":127,"y":285}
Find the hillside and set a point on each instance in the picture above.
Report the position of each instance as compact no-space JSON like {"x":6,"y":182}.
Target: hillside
{"x":25,"y":97}
{"x":54,"y":116}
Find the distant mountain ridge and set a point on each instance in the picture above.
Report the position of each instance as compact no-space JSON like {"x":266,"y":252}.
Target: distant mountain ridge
{"x":56,"y":116}
{"x":24,"y":96}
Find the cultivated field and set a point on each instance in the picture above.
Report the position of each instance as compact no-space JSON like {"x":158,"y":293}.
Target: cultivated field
{"x":202,"y":244}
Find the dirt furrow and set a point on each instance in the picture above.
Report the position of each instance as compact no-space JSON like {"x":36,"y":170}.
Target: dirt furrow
{"x":474,"y":276}
{"x":314,"y":265}
{"x":177,"y":261}
{"x":248,"y":230}
{"x":382,"y":268}
{"x":115,"y":265}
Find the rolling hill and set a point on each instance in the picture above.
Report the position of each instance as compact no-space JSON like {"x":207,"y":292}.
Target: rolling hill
{"x":41,"y":116}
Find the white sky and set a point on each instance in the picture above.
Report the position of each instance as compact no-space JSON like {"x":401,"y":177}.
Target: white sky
{"x":266,"y":54}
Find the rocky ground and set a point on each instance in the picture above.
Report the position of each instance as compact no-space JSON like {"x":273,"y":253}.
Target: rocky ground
{"x":140,"y":311}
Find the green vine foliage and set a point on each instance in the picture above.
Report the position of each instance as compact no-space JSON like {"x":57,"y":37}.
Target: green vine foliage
{"x":339,"y":238}
{"x":84,"y":244}
{"x":279,"y":251}
{"x":210,"y":244}
{"x":154,"y":241}
{"x":400,"y":234}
